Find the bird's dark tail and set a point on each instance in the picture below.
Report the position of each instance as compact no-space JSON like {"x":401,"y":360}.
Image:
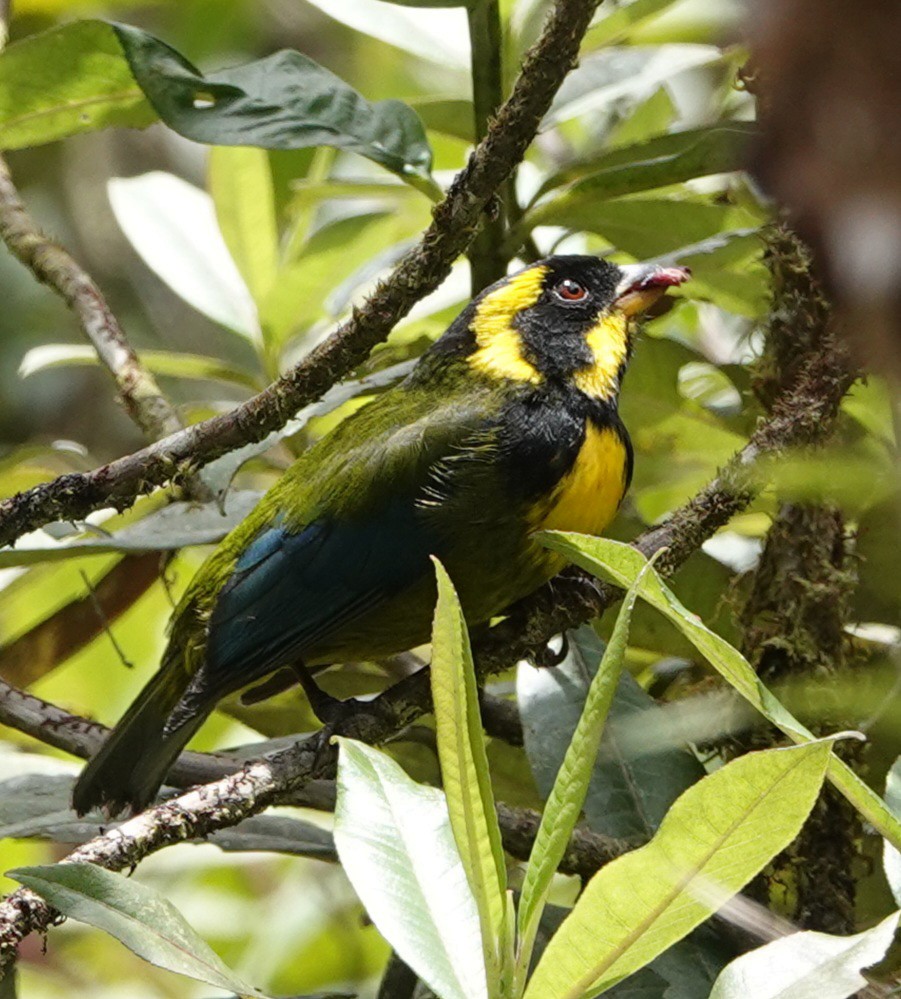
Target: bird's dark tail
{"x":130,"y":766}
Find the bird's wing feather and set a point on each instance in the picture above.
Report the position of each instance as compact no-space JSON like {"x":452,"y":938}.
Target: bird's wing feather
{"x":354,"y":541}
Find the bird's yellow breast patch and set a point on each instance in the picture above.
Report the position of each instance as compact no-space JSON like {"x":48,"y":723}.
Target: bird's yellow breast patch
{"x":608,"y":341}
{"x":587,"y":497}
{"x":498,"y":350}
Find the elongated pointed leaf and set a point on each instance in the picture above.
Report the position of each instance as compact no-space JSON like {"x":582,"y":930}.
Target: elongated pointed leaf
{"x":616,"y":22}
{"x":395,"y":841}
{"x":657,"y":162}
{"x":134,"y":913}
{"x":806,"y":965}
{"x":715,"y":838}
{"x":622,"y":563}
{"x":68,"y":80}
{"x":464,"y":770}
{"x":567,"y":796}
{"x":285,"y":101}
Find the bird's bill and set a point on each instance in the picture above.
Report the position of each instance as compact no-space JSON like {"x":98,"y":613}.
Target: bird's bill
{"x":642,"y":285}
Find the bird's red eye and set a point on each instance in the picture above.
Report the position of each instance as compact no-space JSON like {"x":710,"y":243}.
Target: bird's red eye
{"x":571,"y":291}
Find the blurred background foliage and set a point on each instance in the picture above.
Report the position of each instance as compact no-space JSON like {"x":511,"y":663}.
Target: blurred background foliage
{"x":225,"y":265}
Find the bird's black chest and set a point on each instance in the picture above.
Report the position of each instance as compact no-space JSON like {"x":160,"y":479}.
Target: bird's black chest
{"x":542,"y":434}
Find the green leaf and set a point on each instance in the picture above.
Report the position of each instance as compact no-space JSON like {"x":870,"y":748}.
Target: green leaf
{"x":464,"y":773}
{"x":657,"y":162}
{"x":564,"y":805}
{"x":68,"y":80}
{"x":623,"y":77}
{"x":395,"y":841}
{"x":630,"y":789}
{"x":240,"y":183}
{"x":653,"y":116}
{"x":714,"y":839}
{"x":133,"y":913}
{"x":167,"y":363}
{"x":172,"y":226}
{"x":646,"y":227}
{"x":807,"y":965}
{"x":302,"y":294}
{"x":622,"y":563}
{"x":285,"y":101}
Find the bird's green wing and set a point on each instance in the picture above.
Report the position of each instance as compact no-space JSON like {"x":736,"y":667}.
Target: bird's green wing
{"x":341,"y":532}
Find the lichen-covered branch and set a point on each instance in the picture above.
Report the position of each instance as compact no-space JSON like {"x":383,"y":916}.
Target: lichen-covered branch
{"x":454,"y":225}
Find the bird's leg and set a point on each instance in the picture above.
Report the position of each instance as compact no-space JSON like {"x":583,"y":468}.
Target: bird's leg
{"x":281,"y":680}
{"x":329,"y":710}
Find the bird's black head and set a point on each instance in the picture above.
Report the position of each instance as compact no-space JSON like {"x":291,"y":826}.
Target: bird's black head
{"x":562,"y":319}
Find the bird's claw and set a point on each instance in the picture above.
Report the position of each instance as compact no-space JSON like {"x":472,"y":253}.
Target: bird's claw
{"x":547,"y":658}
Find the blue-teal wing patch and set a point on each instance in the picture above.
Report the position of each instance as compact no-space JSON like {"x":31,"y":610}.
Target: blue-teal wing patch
{"x":290,"y":590}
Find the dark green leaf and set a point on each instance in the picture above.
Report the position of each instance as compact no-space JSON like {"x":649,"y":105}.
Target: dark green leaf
{"x":658,"y":162}
{"x":285,"y":101}
{"x":64,"y":81}
{"x":648,"y":227}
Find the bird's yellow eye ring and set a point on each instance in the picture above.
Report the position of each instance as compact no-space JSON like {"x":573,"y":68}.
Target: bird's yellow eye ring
{"x":570,"y":291}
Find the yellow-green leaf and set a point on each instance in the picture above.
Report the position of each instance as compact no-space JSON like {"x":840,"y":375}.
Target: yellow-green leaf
{"x":464,"y":771}
{"x":68,"y":80}
{"x":714,"y":839}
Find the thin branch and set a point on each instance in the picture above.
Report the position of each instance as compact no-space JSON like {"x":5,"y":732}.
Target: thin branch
{"x":803,"y":415}
{"x":455,"y":221}
{"x":55,"y":267}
